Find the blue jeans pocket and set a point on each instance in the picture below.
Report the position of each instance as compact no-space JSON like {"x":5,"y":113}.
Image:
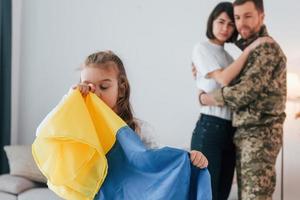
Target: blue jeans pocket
{"x":198,"y":135}
{"x":206,"y":132}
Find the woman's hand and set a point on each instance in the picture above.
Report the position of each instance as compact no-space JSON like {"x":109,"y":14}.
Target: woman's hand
{"x":194,"y":71}
{"x":207,"y":99}
{"x":84,"y":88}
{"x":259,"y":41}
{"x":198,"y":159}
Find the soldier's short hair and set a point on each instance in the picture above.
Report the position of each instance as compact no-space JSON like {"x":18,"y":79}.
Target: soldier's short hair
{"x":226,"y":7}
{"x":259,"y":4}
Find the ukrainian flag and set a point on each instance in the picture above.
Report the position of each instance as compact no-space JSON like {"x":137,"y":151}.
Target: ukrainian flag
{"x":88,"y":152}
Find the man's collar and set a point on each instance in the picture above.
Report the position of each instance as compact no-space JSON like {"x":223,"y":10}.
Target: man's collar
{"x":243,"y":43}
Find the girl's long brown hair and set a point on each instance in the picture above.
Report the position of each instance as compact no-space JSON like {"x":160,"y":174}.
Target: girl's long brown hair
{"x":123,"y":107}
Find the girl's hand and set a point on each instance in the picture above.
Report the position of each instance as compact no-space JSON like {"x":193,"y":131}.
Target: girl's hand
{"x":84,"y":88}
{"x":198,"y":159}
{"x":259,"y":41}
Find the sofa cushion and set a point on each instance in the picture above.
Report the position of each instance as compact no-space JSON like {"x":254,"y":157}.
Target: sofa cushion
{"x":21,"y":163}
{"x":14,"y":184}
{"x":38,"y":194}
{"x":7,"y":196}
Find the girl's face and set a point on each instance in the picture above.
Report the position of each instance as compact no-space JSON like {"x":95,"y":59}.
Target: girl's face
{"x":105,"y":81}
{"x":223,"y":28}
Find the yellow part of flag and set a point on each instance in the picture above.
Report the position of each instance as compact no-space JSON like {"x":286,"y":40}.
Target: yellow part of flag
{"x":71,"y":144}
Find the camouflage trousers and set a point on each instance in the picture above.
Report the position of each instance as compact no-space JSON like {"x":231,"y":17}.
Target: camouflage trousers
{"x":256,"y":152}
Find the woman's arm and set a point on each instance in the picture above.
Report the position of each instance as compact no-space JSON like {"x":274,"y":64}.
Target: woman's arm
{"x":226,"y":75}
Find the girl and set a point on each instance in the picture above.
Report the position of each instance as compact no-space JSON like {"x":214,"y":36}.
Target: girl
{"x":213,"y":68}
{"x":103,"y":73}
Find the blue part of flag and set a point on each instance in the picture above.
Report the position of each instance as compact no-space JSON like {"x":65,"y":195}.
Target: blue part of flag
{"x":138,"y":173}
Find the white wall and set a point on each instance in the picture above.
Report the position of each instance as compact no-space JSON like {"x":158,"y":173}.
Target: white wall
{"x":154,"y":38}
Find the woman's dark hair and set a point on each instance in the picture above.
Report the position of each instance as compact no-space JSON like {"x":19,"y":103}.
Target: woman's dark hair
{"x":226,"y":7}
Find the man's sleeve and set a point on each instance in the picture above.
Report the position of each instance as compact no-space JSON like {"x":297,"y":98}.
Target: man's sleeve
{"x":263,"y":61}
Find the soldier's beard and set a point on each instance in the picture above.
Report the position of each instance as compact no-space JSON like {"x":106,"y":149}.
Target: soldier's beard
{"x":246,"y":32}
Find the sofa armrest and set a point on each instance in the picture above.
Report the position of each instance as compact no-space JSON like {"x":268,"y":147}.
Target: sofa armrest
{"x":15,"y":184}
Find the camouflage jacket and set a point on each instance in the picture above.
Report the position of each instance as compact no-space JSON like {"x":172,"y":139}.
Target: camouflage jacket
{"x":258,"y":95}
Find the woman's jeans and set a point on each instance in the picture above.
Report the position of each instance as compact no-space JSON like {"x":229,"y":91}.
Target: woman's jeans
{"x":213,"y":136}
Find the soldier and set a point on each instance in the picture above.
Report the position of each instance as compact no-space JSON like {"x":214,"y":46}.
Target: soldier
{"x":257,"y":97}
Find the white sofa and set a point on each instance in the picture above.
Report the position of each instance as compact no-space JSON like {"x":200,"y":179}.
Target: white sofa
{"x":20,"y":188}
{"x":24,"y":181}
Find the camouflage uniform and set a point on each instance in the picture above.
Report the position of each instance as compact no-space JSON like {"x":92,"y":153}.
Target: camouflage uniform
{"x":257,"y":97}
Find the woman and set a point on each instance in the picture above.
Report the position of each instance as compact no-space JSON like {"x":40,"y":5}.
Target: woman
{"x":213,"y":68}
